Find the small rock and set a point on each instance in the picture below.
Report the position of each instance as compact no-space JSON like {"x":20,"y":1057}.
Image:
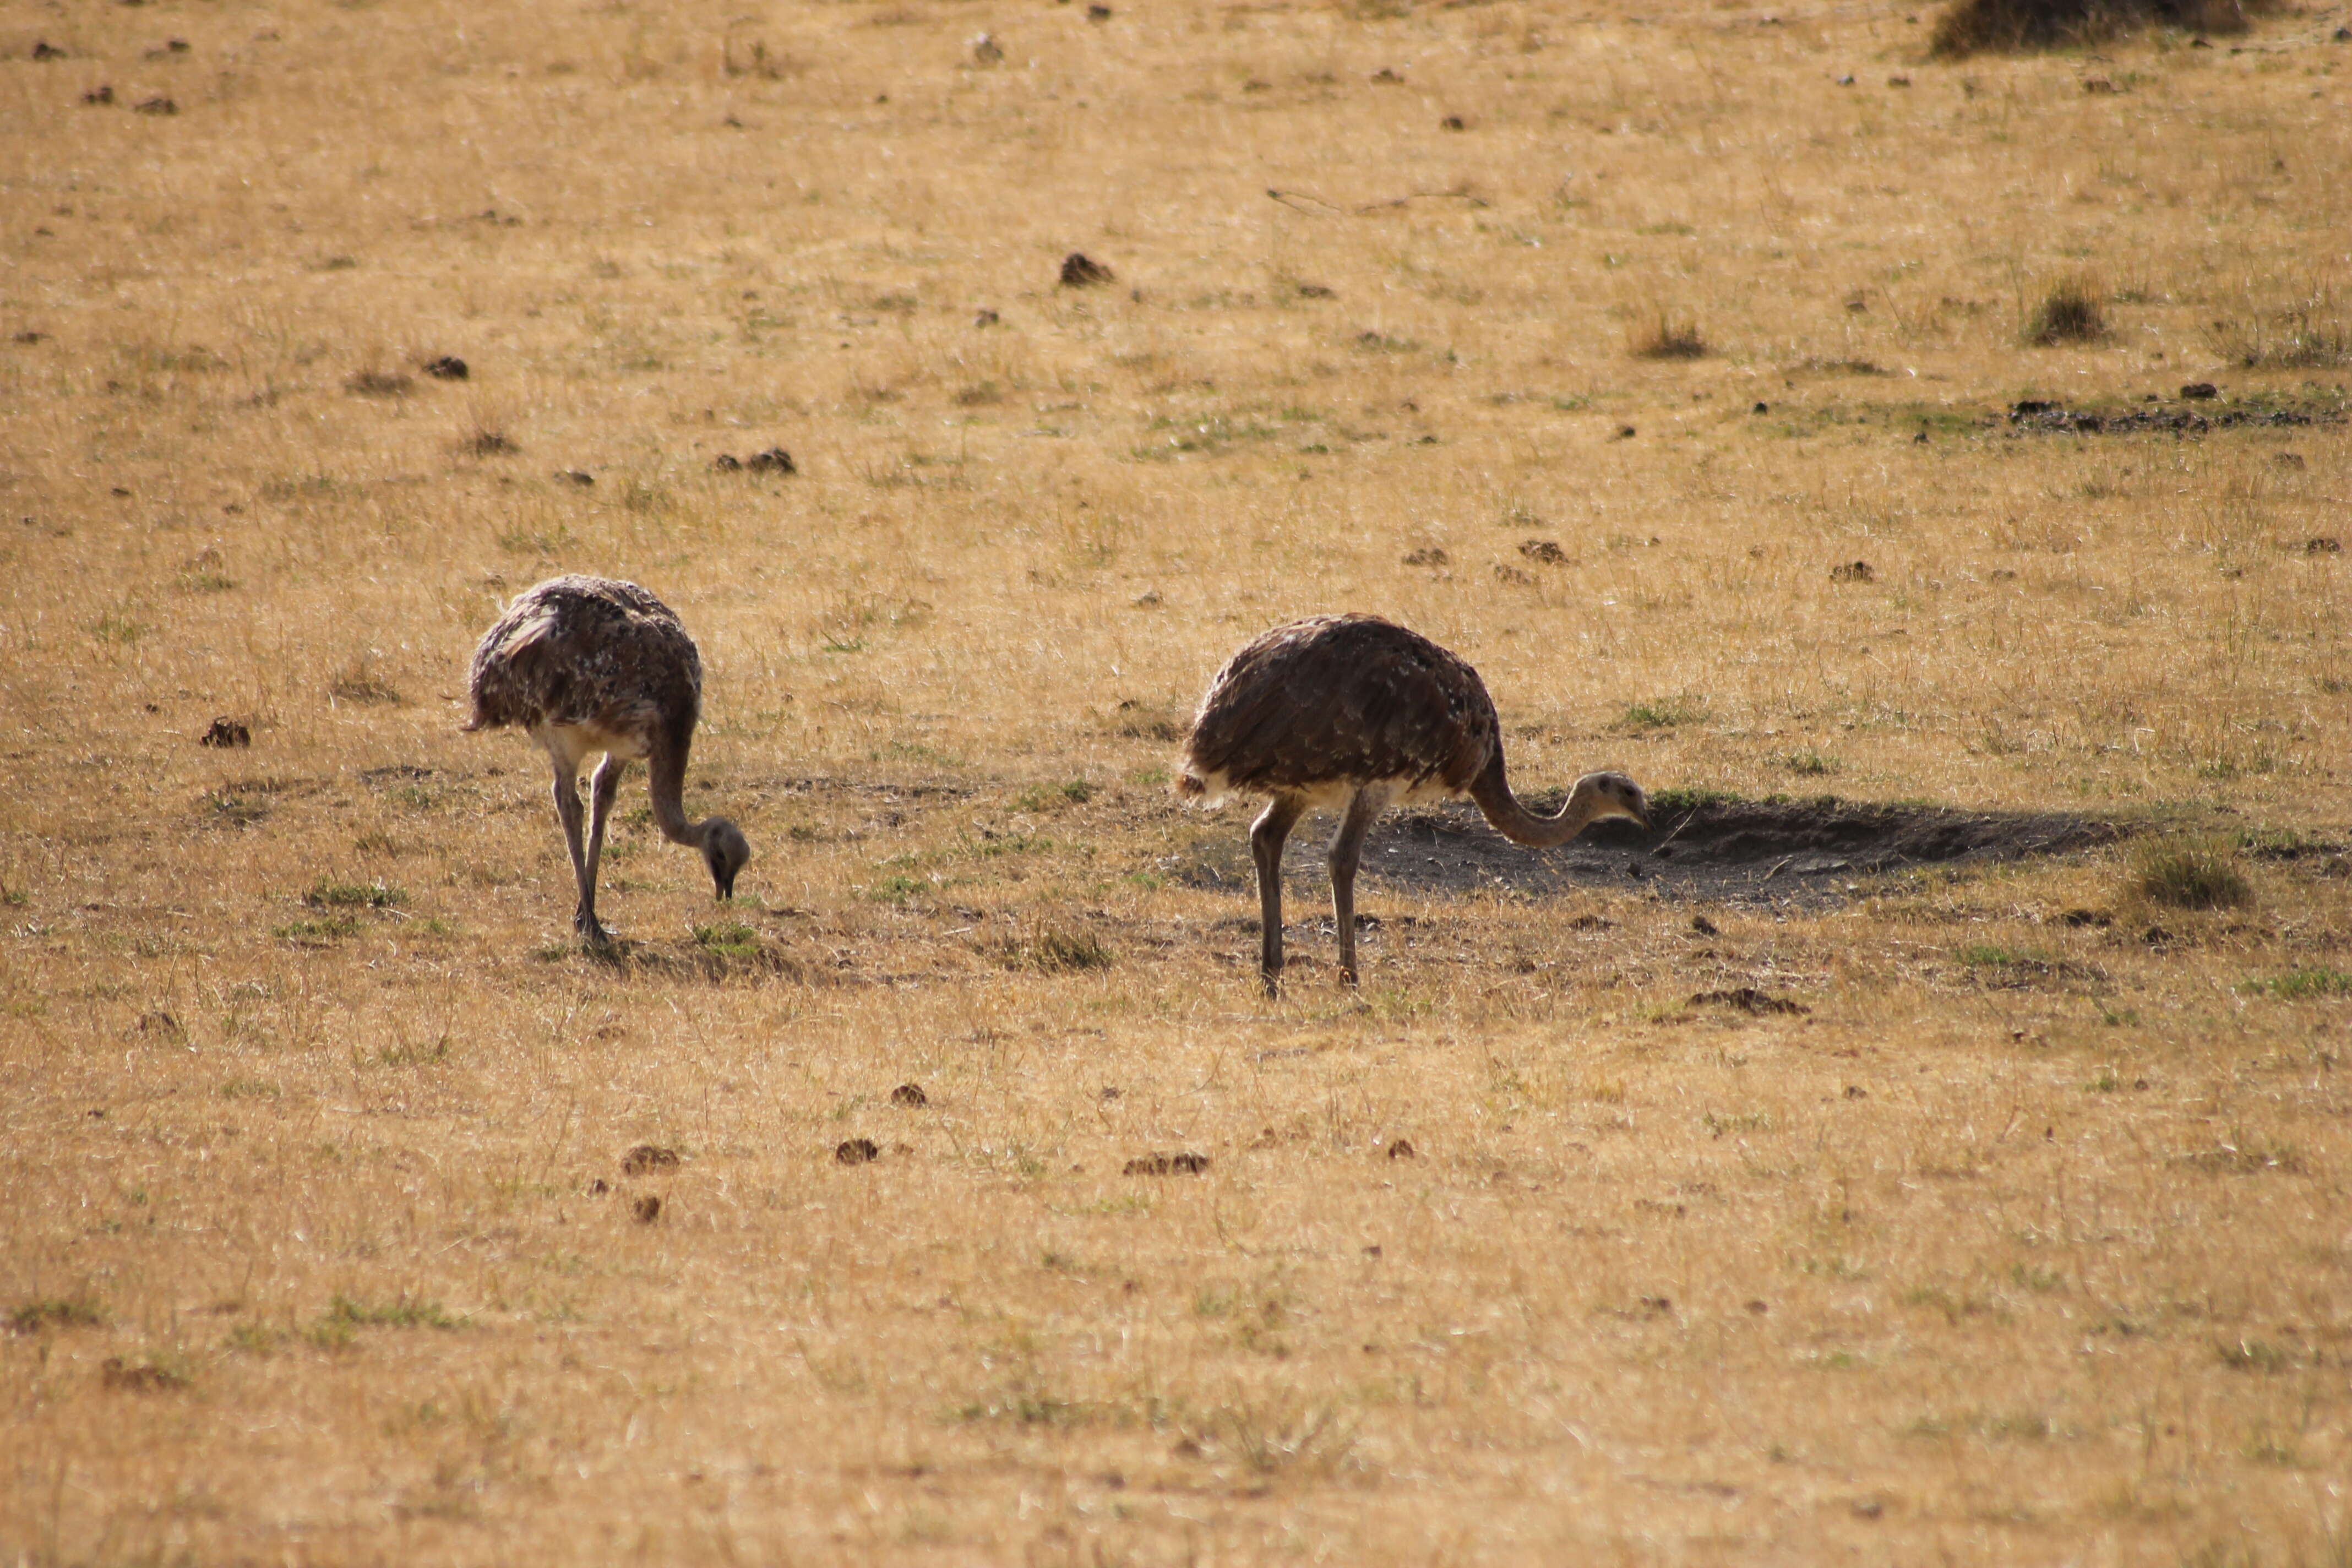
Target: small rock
{"x":599,"y":1187}
{"x":2197,"y":391}
{"x":646,"y":1157}
{"x":1855,"y":1091}
{"x":1080,"y":270}
{"x":99,"y":96}
{"x":1452,"y":122}
{"x":1401,"y":1150}
{"x":1098,"y":13}
{"x":1387,"y":76}
{"x":1761,"y":408}
{"x":1759,"y":1307}
{"x":121,"y":492}
{"x":1659,"y":1303}
{"x":1111,"y":1092}
{"x":855,"y":1152}
{"x":1625,"y":432}
{"x":1427,"y":556}
{"x":727,"y":464}
{"x":157,"y":105}
{"x":775,"y":460}
{"x":579,"y":477}
{"x":986,"y":51}
{"x":1544,"y":550}
{"x":985,"y":317}
{"x":226,"y":733}
{"x":29,"y":336}
{"x":45,"y":50}
{"x":1702,"y":926}
{"x":910,"y":1095}
{"x":449,"y":367}
{"x":1166,"y":1165}
{"x":1852,"y":571}
{"x":2323,"y":544}
{"x":647,"y":1209}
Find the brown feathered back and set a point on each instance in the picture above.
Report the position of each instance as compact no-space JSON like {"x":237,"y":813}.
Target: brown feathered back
{"x":1340,"y":699}
{"x":587,"y":651}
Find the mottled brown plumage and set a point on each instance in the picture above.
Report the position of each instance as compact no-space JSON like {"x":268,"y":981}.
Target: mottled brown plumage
{"x":1355,"y":714}
{"x":588,"y":665}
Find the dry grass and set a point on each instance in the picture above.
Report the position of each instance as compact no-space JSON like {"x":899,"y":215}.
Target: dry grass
{"x":327,"y":1238}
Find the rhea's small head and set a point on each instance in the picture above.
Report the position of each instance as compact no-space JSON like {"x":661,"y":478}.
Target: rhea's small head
{"x":1600,"y":796}
{"x":726,"y":851}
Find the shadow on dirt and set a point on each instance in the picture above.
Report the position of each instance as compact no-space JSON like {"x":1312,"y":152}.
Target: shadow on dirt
{"x":1810,"y":852}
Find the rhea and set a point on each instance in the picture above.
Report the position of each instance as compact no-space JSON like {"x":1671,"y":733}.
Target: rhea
{"x":1355,"y":714}
{"x":587,"y":664}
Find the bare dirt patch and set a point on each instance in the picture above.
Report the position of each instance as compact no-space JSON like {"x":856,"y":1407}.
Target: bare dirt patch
{"x":1752,"y":852}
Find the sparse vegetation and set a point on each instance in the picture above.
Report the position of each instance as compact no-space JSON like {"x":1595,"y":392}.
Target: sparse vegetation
{"x":1770,"y":1185}
{"x":2189,"y":874}
{"x":2074,"y":311}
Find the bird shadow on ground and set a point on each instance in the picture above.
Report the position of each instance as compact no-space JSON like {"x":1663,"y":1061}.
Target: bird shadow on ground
{"x":1804,"y":853}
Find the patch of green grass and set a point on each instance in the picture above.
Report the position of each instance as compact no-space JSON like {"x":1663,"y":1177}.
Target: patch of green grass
{"x":2301,"y":984}
{"x":55,"y":1313}
{"x":311,"y":933}
{"x":376,"y":895}
{"x":1992,"y":955}
{"x":2189,"y":874}
{"x":730,"y":940}
{"x":1678,"y":800}
{"x":401,"y":1312}
{"x":1811,"y":764}
{"x":1051,"y":950}
{"x":1663,"y":713}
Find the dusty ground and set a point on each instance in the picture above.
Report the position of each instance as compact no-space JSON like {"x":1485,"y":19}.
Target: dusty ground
{"x":1895,"y":1170}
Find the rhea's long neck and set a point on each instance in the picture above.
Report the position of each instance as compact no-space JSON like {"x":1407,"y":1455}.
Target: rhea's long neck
{"x":1492,"y":791}
{"x":666,"y":784}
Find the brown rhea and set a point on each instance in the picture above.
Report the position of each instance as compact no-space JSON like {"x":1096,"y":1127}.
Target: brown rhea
{"x":588,"y":665}
{"x":1355,"y":714}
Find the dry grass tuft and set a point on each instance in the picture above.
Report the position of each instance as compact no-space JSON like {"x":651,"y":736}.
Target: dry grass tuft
{"x":1669,"y":337}
{"x":2075,"y":311}
{"x":2189,"y":874}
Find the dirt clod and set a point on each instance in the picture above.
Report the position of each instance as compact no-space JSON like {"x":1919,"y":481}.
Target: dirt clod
{"x":1166,"y":1165}
{"x":99,"y":96}
{"x":2197,"y":391}
{"x":648,"y":1157}
{"x":910,"y":1096}
{"x":158,"y":105}
{"x":1852,"y":571}
{"x":775,"y":460}
{"x":1080,"y":270}
{"x":1748,"y":999}
{"x":648,"y":1209}
{"x":45,"y":50}
{"x":2323,"y":544}
{"x":727,"y":463}
{"x":856,"y":1152}
{"x":225,"y":734}
{"x":1427,"y":556}
{"x":449,"y":367}
{"x":1546,"y":550}
{"x":1401,"y":1150}
{"x":599,"y":1187}
{"x":1702,"y":926}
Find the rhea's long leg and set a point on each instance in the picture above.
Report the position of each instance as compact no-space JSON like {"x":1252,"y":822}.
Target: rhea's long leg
{"x":567,"y":807}
{"x":602,"y":788}
{"x":1346,"y":849}
{"x":1267,"y":835}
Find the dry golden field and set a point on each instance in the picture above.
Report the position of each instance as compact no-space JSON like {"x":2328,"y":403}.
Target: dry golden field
{"x":2028,"y":1240}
